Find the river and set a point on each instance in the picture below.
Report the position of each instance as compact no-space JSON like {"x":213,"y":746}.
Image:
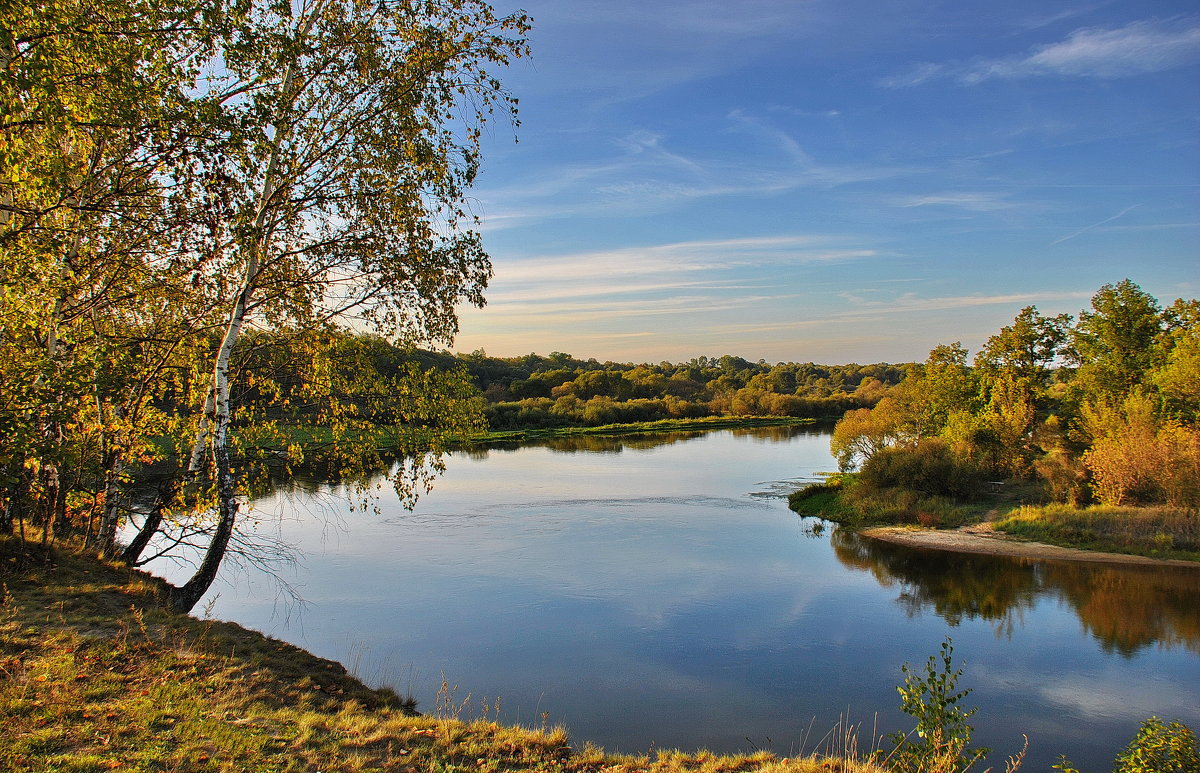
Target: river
{"x":657,"y":593}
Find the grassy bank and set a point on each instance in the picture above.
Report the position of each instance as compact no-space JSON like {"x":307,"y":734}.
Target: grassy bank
{"x":843,"y":500}
{"x":642,"y":428}
{"x":94,"y":676}
{"x":1156,"y":532}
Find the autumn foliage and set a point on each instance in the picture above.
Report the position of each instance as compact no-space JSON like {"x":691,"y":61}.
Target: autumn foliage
{"x":1105,"y":410}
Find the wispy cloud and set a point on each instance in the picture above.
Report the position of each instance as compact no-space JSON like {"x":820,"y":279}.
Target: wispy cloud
{"x":1049,"y":18}
{"x":612,"y":41}
{"x":969,"y":200}
{"x":1084,"y":230}
{"x":679,"y":286}
{"x":646,"y":174}
{"x":802,"y":167}
{"x":913,"y":302}
{"x":915,"y":75}
{"x":679,"y":259}
{"x":1139,"y":47}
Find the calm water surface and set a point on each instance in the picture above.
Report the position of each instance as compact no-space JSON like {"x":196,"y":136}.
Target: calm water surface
{"x":659,"y":593}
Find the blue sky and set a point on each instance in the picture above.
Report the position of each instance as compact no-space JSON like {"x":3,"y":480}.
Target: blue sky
{"x":834,"y":180}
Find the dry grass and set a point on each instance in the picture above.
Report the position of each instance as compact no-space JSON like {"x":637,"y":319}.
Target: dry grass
{"x":1160,"y":532}
{"x":95,"y":676}
{"x":842,"y":499}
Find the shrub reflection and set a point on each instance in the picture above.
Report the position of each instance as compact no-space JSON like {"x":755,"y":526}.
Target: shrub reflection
{"x":1125,"y":608}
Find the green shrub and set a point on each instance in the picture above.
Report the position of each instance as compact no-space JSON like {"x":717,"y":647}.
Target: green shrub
{"x":1160,"y":748}
{"x":940,"y":743}
{"x":823,"y":500}
{"x":931,"y":469}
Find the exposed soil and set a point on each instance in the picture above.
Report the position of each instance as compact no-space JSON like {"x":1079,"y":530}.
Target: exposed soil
{"x":982,"y":538}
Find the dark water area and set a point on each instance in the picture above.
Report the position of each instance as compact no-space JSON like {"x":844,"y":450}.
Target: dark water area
{"x":656,"y":592}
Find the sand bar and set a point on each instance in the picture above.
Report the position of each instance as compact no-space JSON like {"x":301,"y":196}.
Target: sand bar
{"x":981,"y":538}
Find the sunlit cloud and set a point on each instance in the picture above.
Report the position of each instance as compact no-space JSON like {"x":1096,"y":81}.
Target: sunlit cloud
{"x":688,"y":256}
{"x":913,"y":302}
{"x":545,"y":293}
{"x":654,"y":293}
{"x":698,"y":273}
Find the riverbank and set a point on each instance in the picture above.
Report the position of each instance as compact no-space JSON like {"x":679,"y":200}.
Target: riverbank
{"x":95,"y":675}
{"x":982,"y":538}
{"x":705,"y":424}
{"x":999,"y":522}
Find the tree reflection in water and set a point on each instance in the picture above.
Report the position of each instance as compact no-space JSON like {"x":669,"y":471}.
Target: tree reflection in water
{"x":1126,"y":608}
{"x":615,"y":444}
{"x":594,"y":444}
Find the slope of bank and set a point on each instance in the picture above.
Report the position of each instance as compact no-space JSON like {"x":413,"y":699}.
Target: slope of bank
{"x":95,"y":675}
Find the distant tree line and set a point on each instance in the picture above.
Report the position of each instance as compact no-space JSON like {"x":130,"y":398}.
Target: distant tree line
{"x":560,"y":390}
{"x":360,"y":371}
{"x":1100,"y":408}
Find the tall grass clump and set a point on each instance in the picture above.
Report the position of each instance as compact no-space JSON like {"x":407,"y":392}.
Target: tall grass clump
{"x":1162,"y":532}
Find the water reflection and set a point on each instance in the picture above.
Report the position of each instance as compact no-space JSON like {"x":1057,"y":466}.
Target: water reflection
{"x":595,"y":444}
{"x":664,"y":576}
{"x":1126,"y":609}
{"x":769,"y":435}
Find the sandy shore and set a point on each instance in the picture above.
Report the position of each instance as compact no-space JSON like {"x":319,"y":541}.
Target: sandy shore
{"x":981,"y":538}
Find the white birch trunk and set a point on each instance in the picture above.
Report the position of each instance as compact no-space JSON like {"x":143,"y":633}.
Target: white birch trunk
{"x":185,"y":597}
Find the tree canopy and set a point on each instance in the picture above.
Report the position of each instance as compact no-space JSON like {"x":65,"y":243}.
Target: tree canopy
{"x":1105,"y":409}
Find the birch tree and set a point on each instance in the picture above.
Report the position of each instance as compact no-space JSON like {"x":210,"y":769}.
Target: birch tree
{"x":355,"y":135}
